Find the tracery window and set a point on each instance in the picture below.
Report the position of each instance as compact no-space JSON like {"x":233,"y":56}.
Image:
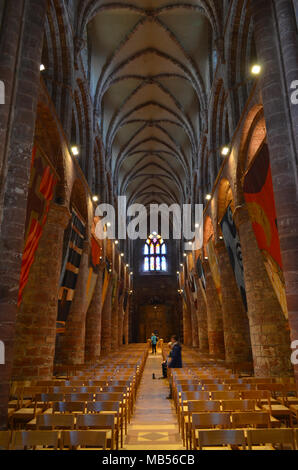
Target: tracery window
{"x":155,"y":254}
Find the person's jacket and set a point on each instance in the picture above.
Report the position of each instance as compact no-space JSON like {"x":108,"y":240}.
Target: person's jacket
{"x":153,"y":339}
{"x":175,"y":355}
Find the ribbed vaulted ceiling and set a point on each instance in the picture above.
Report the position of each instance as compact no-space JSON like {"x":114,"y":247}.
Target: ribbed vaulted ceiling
{"x":150,"y":76}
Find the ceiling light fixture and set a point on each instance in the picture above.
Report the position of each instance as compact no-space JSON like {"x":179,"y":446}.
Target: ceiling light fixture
{"x":256,"y":69}
{"x":75,"y":150}
{"x":95,"y":198}
{"x":225,"y":151}
{"x":42,"y":67}
{"x":208,"y":197}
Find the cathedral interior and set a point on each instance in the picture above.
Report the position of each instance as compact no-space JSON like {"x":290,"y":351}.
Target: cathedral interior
{"x":164,"y":103}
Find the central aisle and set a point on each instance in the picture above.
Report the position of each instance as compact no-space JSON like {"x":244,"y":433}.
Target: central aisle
{"x":154,"y":424}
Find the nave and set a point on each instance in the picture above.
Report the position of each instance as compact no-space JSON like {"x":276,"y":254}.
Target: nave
{"x":119,"y":405}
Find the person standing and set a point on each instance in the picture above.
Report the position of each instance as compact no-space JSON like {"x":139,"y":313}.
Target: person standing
{"x":175,"y":360}
{"x":153,"y":343}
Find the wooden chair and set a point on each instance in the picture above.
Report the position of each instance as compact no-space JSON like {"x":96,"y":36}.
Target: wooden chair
{"x":217,"y":387}
{"x":33,"y":439}
{"x":79,"y":397}
{"x":115,"y":396}
{"x":196,"y":406}
{"x":251,"y":418}
{"x":5,"y":440}
{"x":226,"y":395}
{"x":282,"y":437}
{"x":207,"y":420}
{"x":112,"y":407}
{"x":52,"y":422}
{"x":220,"y":437}
{"x":78,"y":440}
{"x":69,"y":407}
{"x":99,"y":422}
{"x":238,"y":405}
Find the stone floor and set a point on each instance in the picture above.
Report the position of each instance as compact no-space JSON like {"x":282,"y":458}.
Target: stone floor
{"x":154,"y":424}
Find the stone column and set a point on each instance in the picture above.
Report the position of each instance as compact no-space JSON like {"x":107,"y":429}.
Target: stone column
{"x":20,"y":55}
{"x":276,"y":43}
{"x":72,"y":348}
{"x":269,"y":331}
{"x":114,"y":318}
{"x":235,"y":319}
{"x":121,"y":320}
{"x":202,"y":317}
{"x":93,"y":323}
{"x":126,"y":324}
{"x":214,"y":316}
{"x":34,"y":349}
{"x":193,"y":317}
{"x":106,"y":321}
{"x":187,"y":327}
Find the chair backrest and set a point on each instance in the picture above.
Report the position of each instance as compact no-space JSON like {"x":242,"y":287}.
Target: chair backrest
{"x":270,"y":436}
{"x":238,"y":405}
{"x":96,"y":421}
{"x":237,"y":386}
{"x":5,"y":440}
{"x":199,"y":395}
{"x":109,"y":396}
{"x":98,"y":406}
{"x":203,"y":405}
{"x":209,"y":420}
{"x":251,"y":418}
{"x":79,"y":397}
{"x":83,"y":439}
{"x":218,"y":437}
{"x":229,"y":395}
{"x":32,"y":439}
{"x":97,"y":383}
{"x":255,"y":395}
{"x":55,"y":421}
{"x":215,"y":387}
{"x":50,"y":397}
{"x":190,"y":388}
{"x":68,"y":406}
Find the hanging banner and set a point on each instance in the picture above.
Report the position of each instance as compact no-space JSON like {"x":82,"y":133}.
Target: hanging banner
{"x":41,"y":191}
{"x":259,"y":197}
{"x":232,"y":242}
{"x":71,"y":265}
{"x":214,"y":268}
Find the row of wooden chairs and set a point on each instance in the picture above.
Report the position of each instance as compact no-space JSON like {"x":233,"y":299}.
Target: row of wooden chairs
{"x":54,"y":440}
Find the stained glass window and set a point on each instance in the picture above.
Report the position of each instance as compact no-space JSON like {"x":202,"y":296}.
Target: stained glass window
{"x":156,"y":248}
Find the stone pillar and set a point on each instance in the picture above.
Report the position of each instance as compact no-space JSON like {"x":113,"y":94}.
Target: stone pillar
{"x":93,"y":323}
{"x":20,"y":55}
{"x":235,"y":319}
{"x":34,"y":348}
{"x":269,"y":332}
{"x":72,"y":348}
{"x":106,"y":321}
{"x":214,"y":316}
{"x":202,"y":317}
{"x":187,"y":329}
{"x":276,"y":37}
{"x":121,"y":320}
{"x":193,"y":317}
{"x":114,"y":318}
{"x":126,"y":323}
